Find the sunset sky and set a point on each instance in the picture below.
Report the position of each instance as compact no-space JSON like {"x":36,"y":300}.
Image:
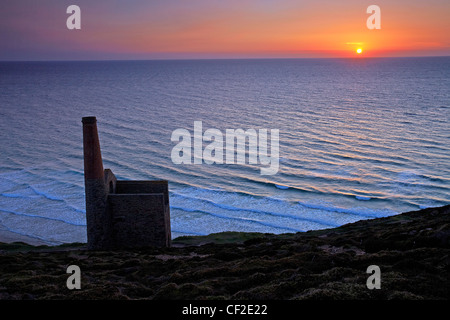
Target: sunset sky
{"x":185,"y":29}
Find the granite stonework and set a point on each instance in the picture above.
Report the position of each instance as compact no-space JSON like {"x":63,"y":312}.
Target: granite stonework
{"x":121,"y":214}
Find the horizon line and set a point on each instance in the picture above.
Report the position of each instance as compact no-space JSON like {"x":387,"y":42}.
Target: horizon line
{"x":224,"y":59}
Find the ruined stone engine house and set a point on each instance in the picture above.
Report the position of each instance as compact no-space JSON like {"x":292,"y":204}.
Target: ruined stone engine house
{"x":120,"y":213}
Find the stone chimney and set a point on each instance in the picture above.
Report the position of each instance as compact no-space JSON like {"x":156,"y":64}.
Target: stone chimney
{"x":97,"y":218}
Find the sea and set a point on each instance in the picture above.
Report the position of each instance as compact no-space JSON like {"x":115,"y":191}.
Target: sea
{"x":359,"y":138}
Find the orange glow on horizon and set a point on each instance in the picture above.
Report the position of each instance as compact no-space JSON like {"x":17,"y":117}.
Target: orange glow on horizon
{"x":257,"y":29}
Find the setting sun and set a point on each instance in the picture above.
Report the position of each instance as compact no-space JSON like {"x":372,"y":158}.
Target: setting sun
{"x":359,"y":51}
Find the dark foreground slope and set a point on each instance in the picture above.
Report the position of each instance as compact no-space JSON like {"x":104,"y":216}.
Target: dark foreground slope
{"x":411,"y":249}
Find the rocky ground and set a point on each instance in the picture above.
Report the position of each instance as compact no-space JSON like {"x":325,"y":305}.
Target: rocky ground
{"x":411,"y":249}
